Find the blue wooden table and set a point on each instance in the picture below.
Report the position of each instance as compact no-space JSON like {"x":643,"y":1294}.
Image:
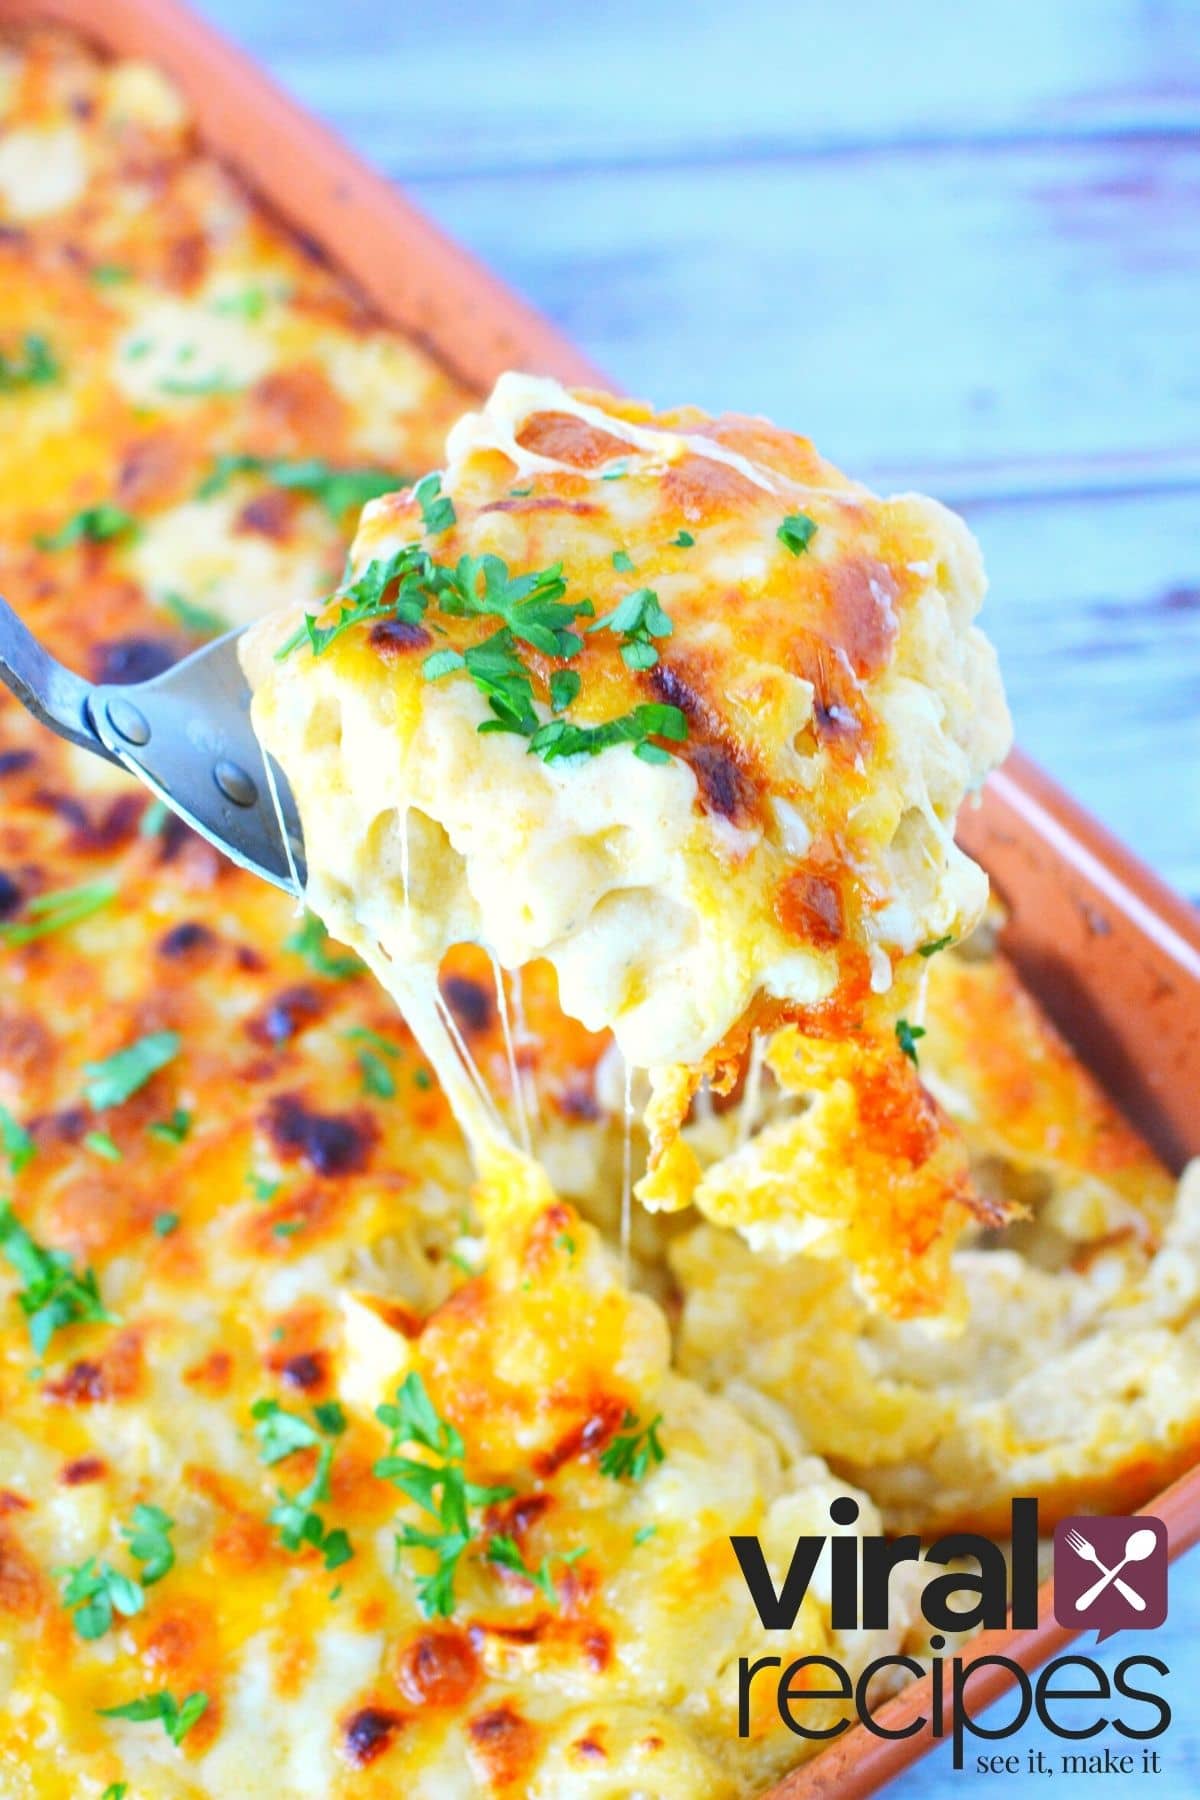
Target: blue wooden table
{"x":957,"y":244}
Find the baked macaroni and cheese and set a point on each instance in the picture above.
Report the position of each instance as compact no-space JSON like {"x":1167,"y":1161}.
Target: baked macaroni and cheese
{"x":325,"y":1468}
{"x":666,"y":701}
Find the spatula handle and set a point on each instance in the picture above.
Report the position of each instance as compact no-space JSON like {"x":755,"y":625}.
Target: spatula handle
{"x":51,"y":692}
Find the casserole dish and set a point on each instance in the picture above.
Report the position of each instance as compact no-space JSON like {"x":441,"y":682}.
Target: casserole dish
{"x":1115,"y":958}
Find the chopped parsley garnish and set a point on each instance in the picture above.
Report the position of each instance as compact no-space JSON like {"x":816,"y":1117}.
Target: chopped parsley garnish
{"x":644,"y":1533}
{"x":47,"y":913}
{"x":337,"y":490}
{"x":377,"y":1078}
{"x":435,"y":1591}
{"x":280,"y":1434}
{"x":630,"y":1454}
{"x":34,"y":365}
{"x":367,"y":598}
{"x":246,"y":303}
{"x":53,"y":1295}
{"x":521,"y":493}
{"x":262,"y":1186}
{"x":101,"y":1144}
{"x":151,"y":823}
{"x":422,"y":1079}
{"x":564,"y":687}
{"x":931,"y":949}
{"x":119,"y":1076}
{"x":149,"y":1540}
{"x":362,"y":1034}
{"x":176,"y":1716}
{"x":531,"y":606}
{"x":437,"y":1482}
{"x":102,"y":524}
{"x":797,"y":533}
{"x":197,"y":385}
{"x":622,"y":561}
{"x":330,"y":1417}
{"x":116,"y":1790}
{"x":618,"y":472}
{"x":174,"y":1130}
{"x":532,"y":611}
{"x":165,"y":1223}
{"x":496,"y":668}
{"x":683,"y":540}
{"x":505,"y":1552}
{"x":637,"y":620}
{"x":559,"y":737}
{"x":311,"y":941}
{"x":110,"y":274}
{"x":906,"y":1037}
{"x":95,"y":1592}
{"x":437,"y":509}
{"x":443,"y":662}
{"x":199,"y":620}
{"x":299,"y":1524}
{"x":16,"y":1143}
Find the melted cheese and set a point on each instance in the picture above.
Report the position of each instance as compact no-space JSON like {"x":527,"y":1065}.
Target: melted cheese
{"x":796,"y":853}
{"x":1071,"y":1369}
{"x":197,"y":550}
{"x":41,"y":171}
{"x":180,"y":350}
{"x":660,"y":893}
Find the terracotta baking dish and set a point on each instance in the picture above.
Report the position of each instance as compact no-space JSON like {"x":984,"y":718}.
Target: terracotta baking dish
{"x":1113,"y":955}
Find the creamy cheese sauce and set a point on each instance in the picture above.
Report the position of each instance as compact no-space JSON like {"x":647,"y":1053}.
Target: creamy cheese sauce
{"x":670,"y":897}
{"x":515,"y":397}
{"x":42,"y":171}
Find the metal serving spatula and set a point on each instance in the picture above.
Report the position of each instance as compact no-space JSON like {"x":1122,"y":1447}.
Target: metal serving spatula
{"x":186,"y":735}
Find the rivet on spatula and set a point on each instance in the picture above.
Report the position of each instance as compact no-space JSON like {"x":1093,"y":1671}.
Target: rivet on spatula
{"x":235,"y":784}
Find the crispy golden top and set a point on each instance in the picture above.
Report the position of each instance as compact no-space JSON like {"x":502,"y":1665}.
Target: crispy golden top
{"x":670,"y":702}
{"x":812,"y":643}
{"x":263,"y":1198}
{"x":161,"y":340}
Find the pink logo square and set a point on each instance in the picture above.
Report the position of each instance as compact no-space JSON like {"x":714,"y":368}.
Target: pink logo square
{"x":1110,"y":1574}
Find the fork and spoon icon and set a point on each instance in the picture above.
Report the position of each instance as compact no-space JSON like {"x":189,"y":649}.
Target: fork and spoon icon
{"x":1138,"y":1546}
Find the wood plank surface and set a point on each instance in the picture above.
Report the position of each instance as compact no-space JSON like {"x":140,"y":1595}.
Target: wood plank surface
{"x":1094,"y":607}
{"x":535,"y":84}
{"x":959,"y":318}
{"x":958,"y":244}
